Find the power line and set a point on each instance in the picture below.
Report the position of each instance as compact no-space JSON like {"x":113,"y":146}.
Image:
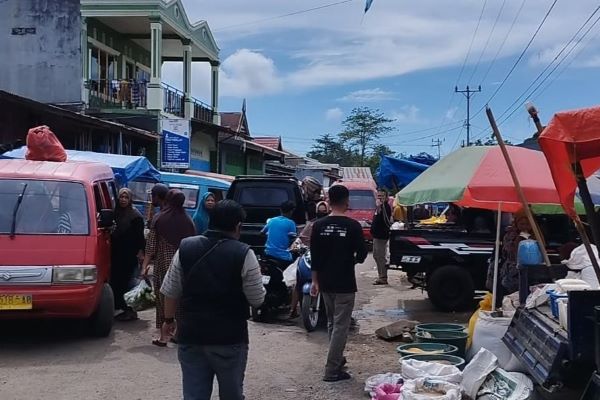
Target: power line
{"x":423,"y":130}
{"x":487,"y":42}
{"x":425,"y":137}
{"x":512,"y":25}
{"x":539,"y":76}
{"x":282,"y":16}
{"x":554,"y":69}
{"x":518,"y":58}
{"x":462,"y":68}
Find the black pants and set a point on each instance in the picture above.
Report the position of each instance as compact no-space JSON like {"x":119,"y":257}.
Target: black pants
{"x":122,"y":271}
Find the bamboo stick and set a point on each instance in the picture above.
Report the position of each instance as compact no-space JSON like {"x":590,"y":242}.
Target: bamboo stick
{"x":536,"y":230}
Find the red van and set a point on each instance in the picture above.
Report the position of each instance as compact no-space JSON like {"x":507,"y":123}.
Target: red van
{"x":55,"y":223}
{"x":363,"y":203}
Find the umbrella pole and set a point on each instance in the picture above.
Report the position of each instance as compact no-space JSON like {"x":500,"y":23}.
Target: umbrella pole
{"x":511,"y":168}
{"x":586,"y":199}
{"x":496,"y":257}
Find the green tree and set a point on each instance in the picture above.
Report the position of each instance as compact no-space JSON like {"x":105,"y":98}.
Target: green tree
{"x":362,"y":130}
{"x":329,"y":150}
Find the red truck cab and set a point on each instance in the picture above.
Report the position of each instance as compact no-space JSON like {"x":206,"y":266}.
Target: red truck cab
{"x":55,"y":223}
{"x":363,"y":203}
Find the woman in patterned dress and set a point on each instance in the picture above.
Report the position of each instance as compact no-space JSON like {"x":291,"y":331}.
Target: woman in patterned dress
{"x":169,"y":228}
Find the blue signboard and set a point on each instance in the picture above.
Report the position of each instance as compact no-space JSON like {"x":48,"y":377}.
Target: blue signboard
{"x":175,"y":144}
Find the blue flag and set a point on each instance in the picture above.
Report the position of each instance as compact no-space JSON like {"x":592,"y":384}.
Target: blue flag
{"x":368,"y":5}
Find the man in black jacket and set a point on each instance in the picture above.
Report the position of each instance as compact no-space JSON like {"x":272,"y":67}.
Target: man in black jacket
{"x":380,"y":230}
{"x":214,"y":279}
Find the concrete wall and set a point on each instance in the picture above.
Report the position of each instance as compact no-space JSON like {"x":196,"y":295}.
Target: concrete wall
{"x":40,"y":44}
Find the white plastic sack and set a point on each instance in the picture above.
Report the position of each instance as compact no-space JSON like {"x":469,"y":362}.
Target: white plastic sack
{"x":141,"y":297}
{"x":372,"y":382}
{"x":539,"y":296}
{"x":415,"y":369}
{"x":476,"y":372}
{"x":426,"y":389}
{"x":503,"y":385}
{"x":289,"y":275}
{"x":488,"y":335}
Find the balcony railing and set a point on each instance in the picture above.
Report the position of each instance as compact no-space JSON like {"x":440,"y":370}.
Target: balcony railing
{"x":114,"y":93}
{"x":173,"y":103}
{"x":132,"y":94}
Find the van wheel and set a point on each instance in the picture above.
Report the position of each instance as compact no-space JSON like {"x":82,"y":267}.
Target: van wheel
{"x":450,"y":288}
{"x":101,"y":321}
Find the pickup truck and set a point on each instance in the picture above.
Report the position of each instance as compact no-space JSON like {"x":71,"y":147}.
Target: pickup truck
{"x":261,"y":197}
{"x":451,"y":261}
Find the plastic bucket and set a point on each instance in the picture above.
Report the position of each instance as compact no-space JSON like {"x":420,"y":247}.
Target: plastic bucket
{"x":448,"y":359}
{"x":529,"y":253}
{"x":434,"y":327}
{"x":458,"y":339}
{"x":423,"y":348}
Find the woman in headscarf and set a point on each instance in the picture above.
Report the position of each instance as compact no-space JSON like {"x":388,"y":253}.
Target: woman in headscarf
{"x":169,"y":228}
{"x":127,"y":249}
{"x":202,"y":214}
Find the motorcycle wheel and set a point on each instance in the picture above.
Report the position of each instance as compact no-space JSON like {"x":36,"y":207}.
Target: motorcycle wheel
{"x":310,"y":311}
{"x":258,"y":314}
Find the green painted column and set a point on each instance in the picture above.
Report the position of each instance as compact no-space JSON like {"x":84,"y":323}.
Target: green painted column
{"x":155,"y":93}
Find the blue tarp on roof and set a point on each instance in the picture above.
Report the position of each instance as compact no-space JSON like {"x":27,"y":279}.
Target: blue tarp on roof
{"x":125,"y":168}
{"x":397,"y":173}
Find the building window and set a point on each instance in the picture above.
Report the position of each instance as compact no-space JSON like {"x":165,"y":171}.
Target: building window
{"x":103,"y":72}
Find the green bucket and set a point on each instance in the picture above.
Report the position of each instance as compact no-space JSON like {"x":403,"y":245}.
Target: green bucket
{"x":434,"y":327}
{"x":424,"y":348}
{"x":458,"y":339}
{"x":456,"y":361}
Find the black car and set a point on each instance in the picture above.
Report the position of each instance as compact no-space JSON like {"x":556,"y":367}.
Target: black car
{"x":261,"y":197}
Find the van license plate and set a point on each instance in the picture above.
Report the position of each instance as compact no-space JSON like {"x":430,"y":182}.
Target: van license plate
{"x":16,"y":302}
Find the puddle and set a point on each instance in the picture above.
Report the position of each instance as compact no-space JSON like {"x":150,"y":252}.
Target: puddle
{"x":364,"y":314}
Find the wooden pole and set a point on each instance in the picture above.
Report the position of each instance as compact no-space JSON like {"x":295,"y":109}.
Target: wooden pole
{"x":496,"y":257}
{"x":584,"y":192}
{"x":513,"y":174}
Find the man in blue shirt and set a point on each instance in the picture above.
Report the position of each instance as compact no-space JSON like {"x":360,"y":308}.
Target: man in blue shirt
{"x":278,"y":232}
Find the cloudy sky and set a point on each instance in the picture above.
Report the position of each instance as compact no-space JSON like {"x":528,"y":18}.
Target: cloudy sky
{"x":302,"y":74}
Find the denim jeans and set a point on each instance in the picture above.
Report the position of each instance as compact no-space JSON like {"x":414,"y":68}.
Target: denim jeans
{"x":200,"y":365}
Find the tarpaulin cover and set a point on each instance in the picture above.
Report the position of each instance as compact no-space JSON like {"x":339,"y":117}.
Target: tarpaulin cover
{"x":478,"y":176}
{"x":125,"y":168}
{"x":397,"y":173}
{"x":571,"y":137}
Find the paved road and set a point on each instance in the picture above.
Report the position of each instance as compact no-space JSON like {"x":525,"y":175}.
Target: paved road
{"x":55,"y":361}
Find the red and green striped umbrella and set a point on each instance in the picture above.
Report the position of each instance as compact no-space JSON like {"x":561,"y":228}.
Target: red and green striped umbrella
{"x":478,"y":176}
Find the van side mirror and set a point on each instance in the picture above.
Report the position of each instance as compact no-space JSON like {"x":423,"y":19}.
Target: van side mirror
{"x":106,"y":219}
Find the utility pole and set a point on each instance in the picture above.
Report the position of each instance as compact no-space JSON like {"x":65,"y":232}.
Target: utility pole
{"x":468,"y":93}
{"x":437,"y":143}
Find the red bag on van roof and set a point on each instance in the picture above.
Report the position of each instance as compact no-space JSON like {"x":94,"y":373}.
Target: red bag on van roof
{"x":43,"y":145}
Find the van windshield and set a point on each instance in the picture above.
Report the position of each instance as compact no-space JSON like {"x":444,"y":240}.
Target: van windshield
{"x":48,"y":207}
{"x":362,"y":200}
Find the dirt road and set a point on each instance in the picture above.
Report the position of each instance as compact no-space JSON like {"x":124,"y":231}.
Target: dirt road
{"x":54,"y":361}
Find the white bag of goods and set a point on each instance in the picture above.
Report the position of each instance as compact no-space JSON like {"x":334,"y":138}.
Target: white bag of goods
{"x":581,"y":262}
{"x":372,"y":382}
{"x":289,"y":274}
{"x":430,"y":388}
{"x":539,"y":296}
{"x":566,"y":285}
{"x":141,"y":297}
{"x":504,"y":385}
{"x":476,"y":372}
{"x":488,"y":335}
{"x":414,"y":369}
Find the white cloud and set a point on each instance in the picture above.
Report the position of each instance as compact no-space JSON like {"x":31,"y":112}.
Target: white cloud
{"x":336,"y":46}
{"x":247,"y":73}
{"x":406,"y":114}
{"x":367,"y":96}
{"x":334,"y":114}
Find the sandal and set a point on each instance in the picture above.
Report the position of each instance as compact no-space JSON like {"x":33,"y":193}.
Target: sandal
{"x":159,"y":343}
{"x":294,"y":314}
{"x":380,"y":281}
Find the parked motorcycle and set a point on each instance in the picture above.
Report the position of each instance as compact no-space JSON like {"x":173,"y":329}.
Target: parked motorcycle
{"x":278,"y":294}
{"x":312,"y":306}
